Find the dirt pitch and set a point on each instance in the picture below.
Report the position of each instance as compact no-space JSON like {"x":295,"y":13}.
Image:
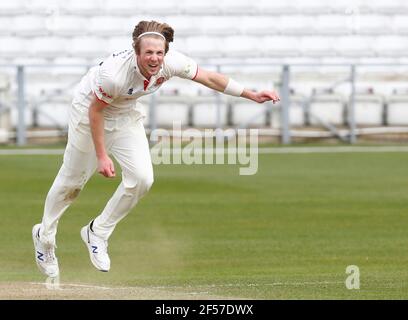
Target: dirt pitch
{"x":65,"y":291}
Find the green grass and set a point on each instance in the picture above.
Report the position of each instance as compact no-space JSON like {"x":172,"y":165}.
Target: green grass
{"x":288,"y":232}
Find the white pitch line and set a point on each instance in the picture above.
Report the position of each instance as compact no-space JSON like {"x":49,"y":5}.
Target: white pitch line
{"x":75,"y":285}
{"x":251,"y":284}
{"x":277,"y":150}
{"x":208,"y":286}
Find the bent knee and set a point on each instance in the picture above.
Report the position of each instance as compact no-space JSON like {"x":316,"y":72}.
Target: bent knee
{"x":140,"y":184}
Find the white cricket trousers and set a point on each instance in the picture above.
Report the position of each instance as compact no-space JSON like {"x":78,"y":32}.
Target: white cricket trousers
{"x":129,"y":146}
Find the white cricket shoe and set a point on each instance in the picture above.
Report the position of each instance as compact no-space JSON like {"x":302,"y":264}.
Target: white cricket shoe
{"x":98,"y":249}
{"x":45,"y":257}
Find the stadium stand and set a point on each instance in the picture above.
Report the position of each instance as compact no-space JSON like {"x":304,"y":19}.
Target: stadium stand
{"x":68,"y":37}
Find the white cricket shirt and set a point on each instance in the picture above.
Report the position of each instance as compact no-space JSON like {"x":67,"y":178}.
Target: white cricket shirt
{"x":118,"y":81}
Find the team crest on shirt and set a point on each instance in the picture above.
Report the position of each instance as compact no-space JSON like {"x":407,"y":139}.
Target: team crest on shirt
{"x":159,"y":81}
{"x":104,"y":93}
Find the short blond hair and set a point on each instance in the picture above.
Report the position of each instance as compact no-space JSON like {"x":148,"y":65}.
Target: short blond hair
{"x":152,"y":26}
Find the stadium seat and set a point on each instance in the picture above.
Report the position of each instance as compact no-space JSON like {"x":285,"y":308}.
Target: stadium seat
{"x":390,"y":46}
{"x":268,"y":8}
{"x":209,"y":7}
{"x":88,"y":47}
{"x":204,"y":112}
{"x":236,"y":7}
{"x":220,"y":25}
{"x":106,"y":26}
{"x":397,"y":108}
{"x":400,"y":24}
{"x":245,"y":112}
{"x":369,"y":109}
{"x":258,"y":25}
{"x":170,"y":109}
{"x":12,"y":47}
{"x":30,"y":26}
{"x":279,"y":46}
{"x":15,"y":7}
{"x":373,"y":25}
{"x":332,"y":25}
{"x":83,"y":8}
{"x":68,"y":26}
{"x":317,"y":47}
{"x":327,"y":107}
{"x":6,"y":26}
{"x":40,"y":47}
{"x":53,"y":114}
{"x":203,"y":47}
{"x":389,"y":6}
{"x":184,"y":26}
{"x":354,"y":46}
{"x":240,"y":46}
{"x":296,"y":25}
{"x":312,"y":7}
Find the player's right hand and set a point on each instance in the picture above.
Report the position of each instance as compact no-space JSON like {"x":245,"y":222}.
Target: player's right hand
{"x":106,"y":167}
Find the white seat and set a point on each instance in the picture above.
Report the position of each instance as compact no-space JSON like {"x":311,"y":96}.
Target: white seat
{"x":203,"y":47}
{"x":82,"y":8}
{"x":354,"y":46}
{"x":12,"y":47}
{"x":389,"y":6}
{"x":205,"y":112}
{"x":297,"y":110}
{"x":390,"y":46}
{"x":30,"y":25}
{"x":317,"y":47}
{"x":332,"y":24}
{"x":6,"y":26}
{"x":163,"y":8}
{"x":312,"y":7}
{"x":48,"y":47}
{"x":168,"y":112}
{"x":279,"y":46}
{"x":118,"y":44}
{"x":296,"y":25}
{"x":240,"y":46}
{"x":400,"y":24}
{"x":368,"y":109}
{"x":268,"y":7}
{"x":64,"y":25}
{"x":247,"y":112}
{"x":52,"y":114}
{"x":15,"y":7}
{"x":220,"y":25}
{"x":397,"y":112}
{"x":373,"y":24}
{"x":236,"y":7}
{"x":106,"y":26}
{"x":209,"y":7}
{"x":88,"y":47}
{"x":328,"y":108}
{"x":258,"y":25}
{"x":184,"y":26}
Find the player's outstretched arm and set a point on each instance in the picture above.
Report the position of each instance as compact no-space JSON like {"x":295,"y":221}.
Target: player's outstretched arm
{"x":222,"y":83}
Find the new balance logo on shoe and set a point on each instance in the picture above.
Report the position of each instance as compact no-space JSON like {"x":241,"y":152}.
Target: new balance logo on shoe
{"x":97,"y":248}
{"x":45,"y":257}
{"x":40,"y":256}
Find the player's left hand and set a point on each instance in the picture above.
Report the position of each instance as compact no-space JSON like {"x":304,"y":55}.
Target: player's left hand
{"x":264,"y":96}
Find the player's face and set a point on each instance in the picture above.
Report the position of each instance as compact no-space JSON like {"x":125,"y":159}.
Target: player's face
{"x":150,"y":58}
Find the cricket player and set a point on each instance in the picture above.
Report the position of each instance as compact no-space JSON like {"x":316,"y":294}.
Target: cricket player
{"x":106,"y":120}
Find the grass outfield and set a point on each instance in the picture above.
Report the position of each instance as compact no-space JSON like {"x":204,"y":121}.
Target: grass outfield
{"x":288,"y":232}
